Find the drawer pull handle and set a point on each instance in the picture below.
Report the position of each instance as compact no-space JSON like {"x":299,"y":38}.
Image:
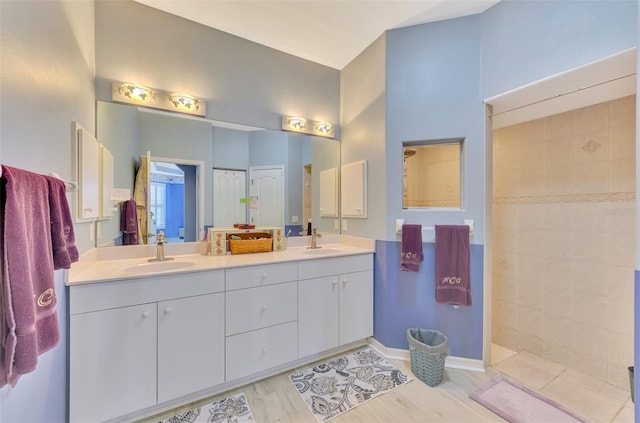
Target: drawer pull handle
{"x":264,"y":308}
{"x":334,"y":283}
{"x":264,"y":350}
{"x":265,"y":276}
{"x":344,"y":282}
{"x":145,"y":314}
{"x":168,"y":310}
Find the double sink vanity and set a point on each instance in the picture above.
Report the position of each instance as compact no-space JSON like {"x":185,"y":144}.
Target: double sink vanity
{"x":149,"y":336}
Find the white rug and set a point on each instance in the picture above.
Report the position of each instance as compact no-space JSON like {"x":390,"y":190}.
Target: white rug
{"x":339,"y":385}
{"x":232,"y":409}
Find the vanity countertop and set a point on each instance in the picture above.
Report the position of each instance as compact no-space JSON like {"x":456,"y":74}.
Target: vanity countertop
{"x":110,"y":270}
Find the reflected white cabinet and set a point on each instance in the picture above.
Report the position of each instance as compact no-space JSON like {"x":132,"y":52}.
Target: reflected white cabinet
{"x":337,"y":309}
{"x":329,"y":192}
{"x":353,"y":189}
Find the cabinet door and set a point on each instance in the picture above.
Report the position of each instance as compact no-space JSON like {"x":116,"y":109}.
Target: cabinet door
{"x":356,"y":306}
{"x":107,"y":349}
{"x":190,"y":345}
{"x":317,"y":315}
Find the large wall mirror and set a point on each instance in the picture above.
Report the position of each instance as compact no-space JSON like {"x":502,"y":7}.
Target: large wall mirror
{"x":432,"y":174}
{"x":199,"y":169}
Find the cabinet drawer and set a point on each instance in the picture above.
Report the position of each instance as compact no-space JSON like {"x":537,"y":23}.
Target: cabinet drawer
{"x":249,"y":277}
{"x":333,"y":266}
{"x":255,"y":308}
{"x":252,"y":352}
{"x":127,"y":292}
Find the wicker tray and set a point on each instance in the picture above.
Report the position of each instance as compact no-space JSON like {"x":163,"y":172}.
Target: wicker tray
{"x":247,"y":245}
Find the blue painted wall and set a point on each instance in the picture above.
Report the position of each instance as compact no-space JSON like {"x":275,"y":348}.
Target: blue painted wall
{"x":404,"y":300}
{"x":175,"y":209}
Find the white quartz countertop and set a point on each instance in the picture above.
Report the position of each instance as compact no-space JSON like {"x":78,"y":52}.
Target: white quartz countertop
{"x":109,"y":270}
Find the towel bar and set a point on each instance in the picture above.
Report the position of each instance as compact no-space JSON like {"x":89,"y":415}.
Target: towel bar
{"x":69,"y":185}
{"x":400,"y":222}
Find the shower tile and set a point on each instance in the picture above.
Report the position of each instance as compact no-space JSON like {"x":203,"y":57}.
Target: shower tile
{"x":584,"y":394}
{"x":618,"y":317}
{"x":591,"y":146}
{"x":626,"y":415}
{"x":559,"y":126}
{"x":529,"y":293}
{"x":592,"y":118}
{"x":619,"y":249}
{"x":586,"y":246}
{"x":591,"y":177}
{"x":505,"y":183}
{"x":622,"y":175}
{"x":591,"y":278}
{"x":559,"y":180}
{"x":559,"y":352}
{"x":558,"y":151}
{"x":620,"y":347}
{"x":618,"y":375}
{"x":622,"y":141}
{"x":587,"y":337}
{"x":619,"y":284}
{"x":590,"y":365}
{"x":530,"y":369}
{"x":622,"y":110}
{"x":531,"y":343}
{"x":621,"y":217}
{"x":589,"y":308}
{"x":499,"y":353}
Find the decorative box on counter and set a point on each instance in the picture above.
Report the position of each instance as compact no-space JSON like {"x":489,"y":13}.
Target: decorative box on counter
{"x":250,"y":242}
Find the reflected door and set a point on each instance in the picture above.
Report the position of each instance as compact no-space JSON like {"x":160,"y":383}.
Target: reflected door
{"x":267,"y":189}
{"x":229,"y":186}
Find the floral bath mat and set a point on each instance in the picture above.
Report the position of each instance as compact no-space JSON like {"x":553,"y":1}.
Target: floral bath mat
{"x":232,"y":409}
{"x":339,"y":385}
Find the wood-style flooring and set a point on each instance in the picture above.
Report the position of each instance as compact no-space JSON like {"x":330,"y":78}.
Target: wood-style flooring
{"x":276,"y":400}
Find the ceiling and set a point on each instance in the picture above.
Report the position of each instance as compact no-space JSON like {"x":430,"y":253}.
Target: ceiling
{"x":328,"y":32}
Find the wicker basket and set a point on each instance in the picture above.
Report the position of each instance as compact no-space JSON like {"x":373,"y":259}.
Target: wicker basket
{"x":247,"y":245}
{"x":428,"y":350}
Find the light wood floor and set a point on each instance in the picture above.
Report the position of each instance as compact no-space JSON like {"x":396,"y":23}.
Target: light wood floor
{"x":276,"y":400}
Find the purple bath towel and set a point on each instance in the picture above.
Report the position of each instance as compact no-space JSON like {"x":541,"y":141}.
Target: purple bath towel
{"x":411,"y":249}
{"x":63,"y":239}
{"x":129,"y":223}
{"x":453,"y":285}
{"x":29,"y":317}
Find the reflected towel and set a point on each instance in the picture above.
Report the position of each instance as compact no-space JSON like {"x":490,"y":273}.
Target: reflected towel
{"x":29,"y":317}
{"x":453,"y":284}
{"x":129,"y":223}
{"x":63,"y":239}
{"x":411,"y":249}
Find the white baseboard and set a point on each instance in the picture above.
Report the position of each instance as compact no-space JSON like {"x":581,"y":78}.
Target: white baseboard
{"x":451,"y":362}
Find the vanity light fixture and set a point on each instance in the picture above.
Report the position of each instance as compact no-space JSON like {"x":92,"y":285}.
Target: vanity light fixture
{"x":135,"y":93}
{"x":128,"y":92}
{"x":307,"y":126}
{"x":323,"y":128}
{"x":184,"y":102}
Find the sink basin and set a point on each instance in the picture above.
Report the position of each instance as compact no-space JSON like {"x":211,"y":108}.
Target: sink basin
{"x":157,"y":266}
{"x":321,"y":251}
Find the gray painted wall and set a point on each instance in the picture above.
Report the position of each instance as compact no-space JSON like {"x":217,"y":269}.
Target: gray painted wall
{"x":178,"y":138}
{"x":230,"y":149}
{"x":363,"y":108}
{"x":46,"y":82}
{"x":242,"y":81}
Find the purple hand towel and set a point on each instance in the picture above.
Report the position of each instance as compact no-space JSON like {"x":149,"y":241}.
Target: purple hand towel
{"x":411,"y":249}
{"x":453,"y":285}
{"x":63,"y":239}
{"x":129,"y":223}
{"x":29,"y":317}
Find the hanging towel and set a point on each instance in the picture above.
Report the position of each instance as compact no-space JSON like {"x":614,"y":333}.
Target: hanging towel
{"x":453,"y":285}
{"x":129,"y":223}
{"x":411,"y":249}
{"x":140,"y":195}
{"x":29,"y":317}
{"x":63,"y":239}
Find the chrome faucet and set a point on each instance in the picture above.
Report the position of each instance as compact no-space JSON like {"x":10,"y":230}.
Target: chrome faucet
{"x":160,"y":241}
{"x":314,"y":239}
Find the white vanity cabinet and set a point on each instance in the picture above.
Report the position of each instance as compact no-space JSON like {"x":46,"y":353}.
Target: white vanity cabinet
{"x":138,"y":342}
{"x":261,"y":314}
{"x":335,"y":302}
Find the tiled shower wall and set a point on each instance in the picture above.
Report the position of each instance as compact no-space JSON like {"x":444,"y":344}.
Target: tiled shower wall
{"x":564,"y":238}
